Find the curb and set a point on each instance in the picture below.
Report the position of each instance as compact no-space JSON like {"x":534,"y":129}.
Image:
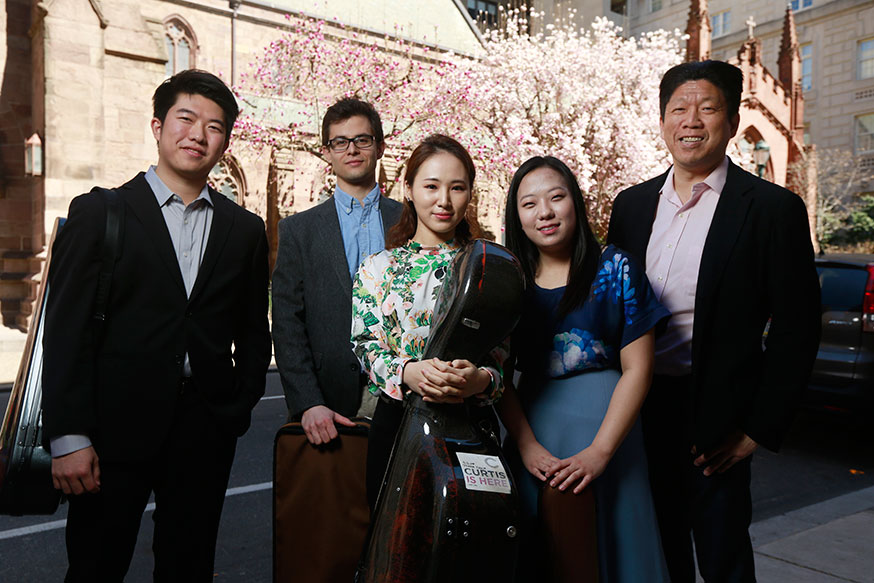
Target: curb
{"x":784,"y":525}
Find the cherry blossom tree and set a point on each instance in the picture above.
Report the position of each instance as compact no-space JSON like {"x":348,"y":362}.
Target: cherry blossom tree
{"x":587,"y":97}
{"x":315,"y":63}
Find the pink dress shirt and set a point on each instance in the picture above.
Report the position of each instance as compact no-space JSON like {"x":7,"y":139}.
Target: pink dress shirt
{"x":673,"y":257}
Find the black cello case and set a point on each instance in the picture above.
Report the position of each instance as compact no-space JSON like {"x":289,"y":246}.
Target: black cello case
{"x":25,"y":464}
{"x":448,"y":509}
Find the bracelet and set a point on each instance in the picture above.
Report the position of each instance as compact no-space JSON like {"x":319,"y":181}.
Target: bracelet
{"x":492,"y":382}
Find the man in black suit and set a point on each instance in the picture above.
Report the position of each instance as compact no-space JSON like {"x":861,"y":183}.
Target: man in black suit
{"x":154,"y":400}
{"x":726,"y":252}
{"x":319,"y":252}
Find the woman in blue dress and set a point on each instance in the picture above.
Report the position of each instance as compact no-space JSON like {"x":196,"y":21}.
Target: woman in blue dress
{"x":584,"y":348}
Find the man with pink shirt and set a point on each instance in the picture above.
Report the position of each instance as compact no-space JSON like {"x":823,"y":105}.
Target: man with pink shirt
{"x":725,"y":251}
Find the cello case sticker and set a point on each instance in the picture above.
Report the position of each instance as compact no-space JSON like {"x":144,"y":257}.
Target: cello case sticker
{"x":484,"y":472}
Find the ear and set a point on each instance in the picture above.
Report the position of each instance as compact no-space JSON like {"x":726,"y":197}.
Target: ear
{"x":735,"y":123}
{"x":380,"y":150}
{"x":408,"y":196}
{"x":156,"y":128}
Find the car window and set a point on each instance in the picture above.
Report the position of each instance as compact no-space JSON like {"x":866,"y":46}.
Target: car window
{"x":843,"y":289}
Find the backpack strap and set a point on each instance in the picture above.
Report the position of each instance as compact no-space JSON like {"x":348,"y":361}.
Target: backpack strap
{"x":110,"y":252}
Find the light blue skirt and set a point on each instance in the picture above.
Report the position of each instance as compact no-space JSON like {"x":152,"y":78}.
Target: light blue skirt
{"x":565,"y":415}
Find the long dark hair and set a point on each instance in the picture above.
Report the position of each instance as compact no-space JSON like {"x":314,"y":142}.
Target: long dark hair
{"x":585,"y":251}
{"x":468,"y":229}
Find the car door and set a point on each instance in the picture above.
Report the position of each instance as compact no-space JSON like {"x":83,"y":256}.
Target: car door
{"x":843,"y":292}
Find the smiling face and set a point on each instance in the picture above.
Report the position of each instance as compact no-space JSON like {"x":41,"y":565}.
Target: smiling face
{"x":191,"y":139}
{"x":697,"y":128}
{"x":354,"y":167}
{"x":440,"y":193}
{"x":546,"y":211}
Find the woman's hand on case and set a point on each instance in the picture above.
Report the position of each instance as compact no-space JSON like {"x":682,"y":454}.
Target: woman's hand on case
{"x":434,"y":379}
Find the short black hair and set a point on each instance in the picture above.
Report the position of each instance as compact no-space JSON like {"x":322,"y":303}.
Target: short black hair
{"x":727,"y":78}
{"x":196,"y":82}
{"x":350,"y":107}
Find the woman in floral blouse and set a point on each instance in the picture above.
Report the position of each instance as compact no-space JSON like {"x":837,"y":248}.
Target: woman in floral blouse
{"x":394,"y":292}
{"x":584,"y":347}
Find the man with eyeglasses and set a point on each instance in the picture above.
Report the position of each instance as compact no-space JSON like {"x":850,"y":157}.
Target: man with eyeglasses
{"x":319,"y":252}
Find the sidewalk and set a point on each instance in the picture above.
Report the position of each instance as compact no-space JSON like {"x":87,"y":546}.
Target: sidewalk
{"x":823,"y":543}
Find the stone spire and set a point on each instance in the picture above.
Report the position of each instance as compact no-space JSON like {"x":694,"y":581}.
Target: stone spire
{"x":789,"y":59}
{"x":699,"y":30}
{"x":789,"y":64}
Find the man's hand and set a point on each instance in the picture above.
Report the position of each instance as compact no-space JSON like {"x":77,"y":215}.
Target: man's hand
{"x":318,"y":424}
{"x":77,"y":472}
{"x":733,"y":449}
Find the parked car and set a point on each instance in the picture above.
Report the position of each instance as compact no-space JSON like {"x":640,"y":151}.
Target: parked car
{"x":843,"y":375}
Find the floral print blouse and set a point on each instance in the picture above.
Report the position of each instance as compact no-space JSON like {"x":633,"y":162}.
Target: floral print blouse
{"x":393,"y":299}
{"x":621,"y":308}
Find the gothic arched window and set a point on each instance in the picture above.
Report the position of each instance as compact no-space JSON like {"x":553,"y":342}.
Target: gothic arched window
{"x":181,"y":45}
{"x":227,"y":178}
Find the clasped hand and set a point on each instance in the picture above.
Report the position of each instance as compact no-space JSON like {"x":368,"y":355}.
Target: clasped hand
{"x":439,"y":381}
{"x":581,"y":468}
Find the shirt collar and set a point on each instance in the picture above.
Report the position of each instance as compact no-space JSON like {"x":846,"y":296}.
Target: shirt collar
{"x":163,"y":193}
{"x":715,"y":181}
{"x":346,"y":202}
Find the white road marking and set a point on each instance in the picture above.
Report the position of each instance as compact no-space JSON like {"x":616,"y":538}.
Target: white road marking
{"x":55,"y":524}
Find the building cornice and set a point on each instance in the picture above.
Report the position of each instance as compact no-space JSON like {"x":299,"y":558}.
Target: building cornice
{"x":280,"y":10}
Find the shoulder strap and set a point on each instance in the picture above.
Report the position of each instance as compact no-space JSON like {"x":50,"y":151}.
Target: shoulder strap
{"x":111,"y":250}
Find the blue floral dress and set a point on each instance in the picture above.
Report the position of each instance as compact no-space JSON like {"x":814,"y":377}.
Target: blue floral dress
{"x":569,"y":369}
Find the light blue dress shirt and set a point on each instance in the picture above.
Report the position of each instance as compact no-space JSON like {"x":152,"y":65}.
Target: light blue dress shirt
{"x":360,"y":226}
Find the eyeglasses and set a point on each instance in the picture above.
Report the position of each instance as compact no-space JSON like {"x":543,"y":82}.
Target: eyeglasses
{"x":362,"y":142}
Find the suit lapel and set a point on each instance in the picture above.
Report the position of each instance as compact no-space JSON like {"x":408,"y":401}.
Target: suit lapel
{"x":638,"y":236}
{"x":333,"y":244}
{"x":728,"y":220}
{"x":222,"y":220}
{"x":390,"y":213}
{"x":141,"y":200}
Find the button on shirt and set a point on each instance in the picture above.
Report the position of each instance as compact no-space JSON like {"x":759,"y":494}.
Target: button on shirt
{"x":360,"y":226}
{"x":189,"y":230}
{"x":673,"y":258}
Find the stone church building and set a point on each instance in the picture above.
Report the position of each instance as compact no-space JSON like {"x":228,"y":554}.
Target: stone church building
{"x":75,"y":100}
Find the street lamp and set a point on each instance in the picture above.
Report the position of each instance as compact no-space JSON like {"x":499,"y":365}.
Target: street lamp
{"x":761,"y":155}
{"x":33,"y":156}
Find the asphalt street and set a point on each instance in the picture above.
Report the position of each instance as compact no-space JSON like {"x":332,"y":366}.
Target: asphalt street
{"x":824,"y":456}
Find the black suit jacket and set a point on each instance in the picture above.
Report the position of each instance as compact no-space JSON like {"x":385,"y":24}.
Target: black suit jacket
{"x":312,"y":310}
{"x":121,"y":389}
{"x":757,"y":264}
